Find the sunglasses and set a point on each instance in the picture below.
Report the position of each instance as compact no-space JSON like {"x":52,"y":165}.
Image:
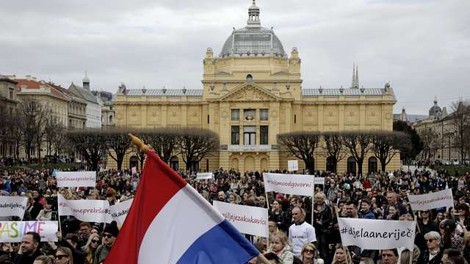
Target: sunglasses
{"x":309,"y":251}
{"x":60,"y":256}
{"x":108,"y":235}
{"x":430,"y":240}
{"x":15,"y":244}
{"x":95,"y":241}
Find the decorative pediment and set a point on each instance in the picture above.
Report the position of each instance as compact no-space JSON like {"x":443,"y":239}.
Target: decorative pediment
{"x":249,"y":92}
{"x":281,"y":73}
{"x":222,"y":73}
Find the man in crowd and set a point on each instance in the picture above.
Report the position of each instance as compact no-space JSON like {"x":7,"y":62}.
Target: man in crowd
{"x":29,"y":248}
{"x":300,"y":232}
{"x":110,"y":234}
{"x":390,"y":256}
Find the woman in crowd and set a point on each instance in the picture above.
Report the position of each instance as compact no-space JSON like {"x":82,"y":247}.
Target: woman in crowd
{"x":433,"y":253}
{"x":90,"y":247}
{"x":63,"y":255}
{"x":342,"y":256}
{"x":44,"y":260}
{"x":279,"y":216}
{"x":393,"y":213}
{"x":450,"y":238}
{"x":310,"y":254}
{"x":280,"y":246}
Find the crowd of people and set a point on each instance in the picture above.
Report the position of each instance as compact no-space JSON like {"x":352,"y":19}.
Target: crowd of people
{"x":302,"y":229}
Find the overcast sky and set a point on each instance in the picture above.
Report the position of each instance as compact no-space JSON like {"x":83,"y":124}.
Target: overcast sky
{"x":421,"y":46}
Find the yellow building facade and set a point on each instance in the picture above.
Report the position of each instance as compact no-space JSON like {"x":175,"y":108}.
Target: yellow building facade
{"x":251,"y":92}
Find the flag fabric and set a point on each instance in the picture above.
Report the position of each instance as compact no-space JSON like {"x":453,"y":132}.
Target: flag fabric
{"x":169,"y":222}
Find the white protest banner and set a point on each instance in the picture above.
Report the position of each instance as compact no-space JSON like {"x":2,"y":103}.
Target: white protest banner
{"x":85,"y":210}
{"x":432,"y":200}
{"x":289,"y":183}
{"x":204,"y":176}
{"x":119,"y":211}
{"x":292,"y":165}
{"x":76,"y":179}
{"x":13,"y":231}
{"x":319,"y":181}
{"x":377,"y":234}
{"x":247,"y":219}
{"x":13,"y":206}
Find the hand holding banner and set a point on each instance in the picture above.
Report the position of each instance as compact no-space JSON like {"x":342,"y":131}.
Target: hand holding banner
{"x":85,"y":210}
{"x":377,"y":234}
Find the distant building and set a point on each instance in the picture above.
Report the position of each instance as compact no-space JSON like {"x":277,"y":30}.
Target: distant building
{"x":105,"y":99}
{"x":251,"y":92}
{"x":405,"y":117}
{"x":93,"y":108}
{"x":8,"y":105}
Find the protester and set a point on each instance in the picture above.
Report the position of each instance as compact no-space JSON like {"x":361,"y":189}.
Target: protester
{"x":281,"y":247}
{"x":110,"y":234}
{"x":310,"y":255}
{"x":300,"y":232}
{"x":389,"y":256}
{"x":342,"y":256}
{"x":433,"y":253}
{"x":63,"y":255}
{"x":29,"y":249}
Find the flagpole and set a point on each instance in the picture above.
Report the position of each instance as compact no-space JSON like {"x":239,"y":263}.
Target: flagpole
{"x":138,"y":142}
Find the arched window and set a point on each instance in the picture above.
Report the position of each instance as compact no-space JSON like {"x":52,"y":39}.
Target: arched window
{"x":249,"y":78}
{"x":352,"y":165}
{"x":331,"y":164}
{"x":174,"y":163}
{"x":372,"y":164}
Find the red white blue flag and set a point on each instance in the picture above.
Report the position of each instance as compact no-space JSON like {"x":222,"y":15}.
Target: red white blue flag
{"x":169,"y":222}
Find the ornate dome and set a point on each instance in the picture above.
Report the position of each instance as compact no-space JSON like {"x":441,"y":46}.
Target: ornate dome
{"x":253,"y":40}
{"x":435,"y":111}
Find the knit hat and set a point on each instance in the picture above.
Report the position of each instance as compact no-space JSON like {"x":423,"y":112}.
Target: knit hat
{"x":112,"y":229}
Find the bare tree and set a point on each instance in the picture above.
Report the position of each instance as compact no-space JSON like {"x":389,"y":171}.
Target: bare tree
{"x":54,"y":132}
{"x":359,"y":144}
{"x":429,"y":139}
{"x":334,"y":147}
{"x":118,"y":142}
{"x":302,"y":145}
{"x":34,"y":116}
{"x":386,"y":144}
{"x":194,"y":144}
{"x":162,"y":140}
{"x":460,"y":119}
{"x":90,"y":143}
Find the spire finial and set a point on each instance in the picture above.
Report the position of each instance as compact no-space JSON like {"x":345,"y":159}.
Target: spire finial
{"x":253,"y":16}
{"x":357,"y":76}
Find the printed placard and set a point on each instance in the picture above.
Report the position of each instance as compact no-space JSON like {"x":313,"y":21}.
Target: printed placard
{"x":85,"y":210}
{"x":119,"y":211}
{"x":377,"y":234}
{"x":204,"y":176}
{"x":76,"y":179}
{"x":292,"y":165}
{"x":13,"y":206}
{"x":247,"y":219}
{"x":432,"y":200}
{"x":13,"y":231}
{"x":289,"y":183}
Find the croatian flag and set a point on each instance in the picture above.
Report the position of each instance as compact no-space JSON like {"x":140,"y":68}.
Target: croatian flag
{"x":169,"y":222}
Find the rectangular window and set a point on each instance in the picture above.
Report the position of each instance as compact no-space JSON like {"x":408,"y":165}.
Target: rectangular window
{"x":263,"y":137}
{"x":235,"y":135}
{"x":235,"y":114}
{"x":249,"y":135}
{"x":263,"y":114}
{"x":11,"y":94}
